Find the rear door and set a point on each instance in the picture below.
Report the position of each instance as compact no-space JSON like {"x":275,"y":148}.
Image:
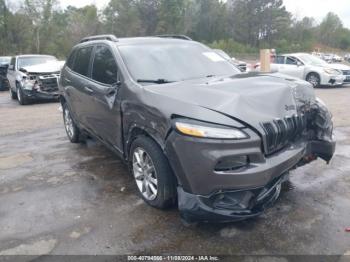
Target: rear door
{"x":76,"y":82}
{"x":105,"y":111}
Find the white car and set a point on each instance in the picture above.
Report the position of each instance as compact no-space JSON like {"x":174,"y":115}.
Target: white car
{"x":312,"y":69}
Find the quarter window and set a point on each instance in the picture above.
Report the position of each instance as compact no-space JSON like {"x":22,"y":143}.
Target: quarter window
{"x":104,"y":69}
{"x":82,"y":61}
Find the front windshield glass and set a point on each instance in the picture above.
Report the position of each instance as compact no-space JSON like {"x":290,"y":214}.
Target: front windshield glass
{"x":174,"y":62}
{"x":5,"y":60}
{"x":313,"y":60}
{"x":34,"y":60}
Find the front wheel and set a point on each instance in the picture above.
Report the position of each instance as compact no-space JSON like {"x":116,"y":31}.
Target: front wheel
{"x":22,"y":99}
{"x":13,"y":95}
{"x":314,"y":79}
{"x":152,"y":173}
{"x":71,"y":128}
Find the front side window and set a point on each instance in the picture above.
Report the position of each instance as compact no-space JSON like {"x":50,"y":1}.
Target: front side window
{"x":177,"y":61}
{"x":104,"y":68}
{"x":34,"y":60}
{"x":82,"y":61}
{"x":291,"y":61}
{"x":13,"y":63}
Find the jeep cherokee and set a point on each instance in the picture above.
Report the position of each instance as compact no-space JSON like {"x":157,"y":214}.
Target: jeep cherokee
{"x":190,"y":126}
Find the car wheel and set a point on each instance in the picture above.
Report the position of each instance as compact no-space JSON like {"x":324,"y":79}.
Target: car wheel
{"x":22,"y":99}
{"x":314,"y":79}
{"x":13,"y":95}
{"x":71,"y":128}
{"x":153,"y":176}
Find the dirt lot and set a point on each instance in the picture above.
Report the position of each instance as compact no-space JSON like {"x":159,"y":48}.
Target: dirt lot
{"x":60,"y":198}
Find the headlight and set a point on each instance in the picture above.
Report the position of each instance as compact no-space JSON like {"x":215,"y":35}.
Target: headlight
{"x":331,"y":71}
{"x":29,"y":84}
{"x":204,"y":130}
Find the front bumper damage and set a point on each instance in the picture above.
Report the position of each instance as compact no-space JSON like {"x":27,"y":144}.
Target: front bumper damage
{"x":209,"y":194}
{"x":41,"y":95}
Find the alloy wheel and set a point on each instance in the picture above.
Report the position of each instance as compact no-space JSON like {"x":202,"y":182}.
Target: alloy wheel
{"x":19,"y":97}
{"x":68,"y":123}
{"x":145,"y":174}
{"x":313,"y":80}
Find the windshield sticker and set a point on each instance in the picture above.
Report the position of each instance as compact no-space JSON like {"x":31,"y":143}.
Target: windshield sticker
{"x":214,"y":57}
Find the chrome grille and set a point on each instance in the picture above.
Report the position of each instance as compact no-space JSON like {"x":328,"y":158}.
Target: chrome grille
{"x":280,"y":132}
{"x":48,"y":83}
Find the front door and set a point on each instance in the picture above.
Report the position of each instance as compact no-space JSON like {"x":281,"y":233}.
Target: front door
{"x":105,"y":112}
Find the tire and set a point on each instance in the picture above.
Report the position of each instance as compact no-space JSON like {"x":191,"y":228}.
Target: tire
{"x":314,"y":79}
{"x":161,"y":178}
{"x":73,"y":132}
{"x":13,"y":95}
{"x":22,"y":99}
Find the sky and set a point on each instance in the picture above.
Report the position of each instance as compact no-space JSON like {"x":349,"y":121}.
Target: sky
{"x":314,"y":8}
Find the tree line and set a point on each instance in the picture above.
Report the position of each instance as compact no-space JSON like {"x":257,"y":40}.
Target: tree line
{"x":237,"y":26}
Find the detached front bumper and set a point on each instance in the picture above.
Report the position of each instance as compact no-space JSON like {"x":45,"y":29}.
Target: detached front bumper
{"x":208,"y":194}
{"x":41,"y":95}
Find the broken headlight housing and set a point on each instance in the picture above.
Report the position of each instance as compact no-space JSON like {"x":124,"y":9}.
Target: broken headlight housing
{"x":30,"y":84}
{"x":206,"y":130}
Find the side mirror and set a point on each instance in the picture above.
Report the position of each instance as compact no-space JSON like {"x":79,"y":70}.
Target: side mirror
{"x":299,"y":64}
{"x":11,"y":67}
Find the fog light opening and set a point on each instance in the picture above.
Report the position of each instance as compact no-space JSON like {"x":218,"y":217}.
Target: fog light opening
{"x":232,"y":163}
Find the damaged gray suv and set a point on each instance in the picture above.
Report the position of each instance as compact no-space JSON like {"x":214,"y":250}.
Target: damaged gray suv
{"x":193,"y":129}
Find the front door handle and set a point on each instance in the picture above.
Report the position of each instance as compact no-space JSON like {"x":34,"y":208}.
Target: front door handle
{"x":88,"y":90}
{"x":67,"y":80}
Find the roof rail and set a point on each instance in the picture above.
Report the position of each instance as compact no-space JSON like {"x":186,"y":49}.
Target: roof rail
{"x":182,"y":37}
{"x":112,"y":38}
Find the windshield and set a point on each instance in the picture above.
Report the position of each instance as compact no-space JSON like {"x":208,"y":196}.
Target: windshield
{"x":172,"y":62}
{"x":34,"y":60}
{"x":312,"y":60}
{"x":5,"y":60}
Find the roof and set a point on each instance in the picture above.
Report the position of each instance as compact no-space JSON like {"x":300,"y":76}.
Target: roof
{"x":139,"y":40}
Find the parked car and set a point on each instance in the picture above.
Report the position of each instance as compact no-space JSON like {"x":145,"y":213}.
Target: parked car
{"x":310,"y":68}
{"x":33,"y":77}
{"x":347,"y":57}
{"x":328,"y":58}
{"x":218,"y":142}
{"x":243,"y":67}
{"x":337,"y":58}
{"x":4,"y":63}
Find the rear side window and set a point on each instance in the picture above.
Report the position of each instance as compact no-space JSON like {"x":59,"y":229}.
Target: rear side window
{"x":104,"y":68}
{"x":279,"y":60}
{"x":82,"y":61}
{"x":71,"y":58}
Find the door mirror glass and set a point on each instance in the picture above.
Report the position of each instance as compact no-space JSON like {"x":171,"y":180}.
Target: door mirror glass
{"x":11,"y":67}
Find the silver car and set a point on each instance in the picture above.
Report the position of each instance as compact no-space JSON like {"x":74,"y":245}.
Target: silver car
{"x":311,"y":68}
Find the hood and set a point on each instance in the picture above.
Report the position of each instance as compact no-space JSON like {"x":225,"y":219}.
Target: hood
{"x":339,"y":66}
{"x":251,"y":98}
{"x":49,"y":67}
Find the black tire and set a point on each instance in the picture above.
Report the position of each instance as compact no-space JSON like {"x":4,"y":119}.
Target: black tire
{"x":314,"y":79}
{"x":166,"y":183}
{"x":72,"y":130}
{"x":21,"y":97}
{"x":13,"y":95}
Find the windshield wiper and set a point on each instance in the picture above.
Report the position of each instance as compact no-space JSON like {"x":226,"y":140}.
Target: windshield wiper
{"x":155,"y":81}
